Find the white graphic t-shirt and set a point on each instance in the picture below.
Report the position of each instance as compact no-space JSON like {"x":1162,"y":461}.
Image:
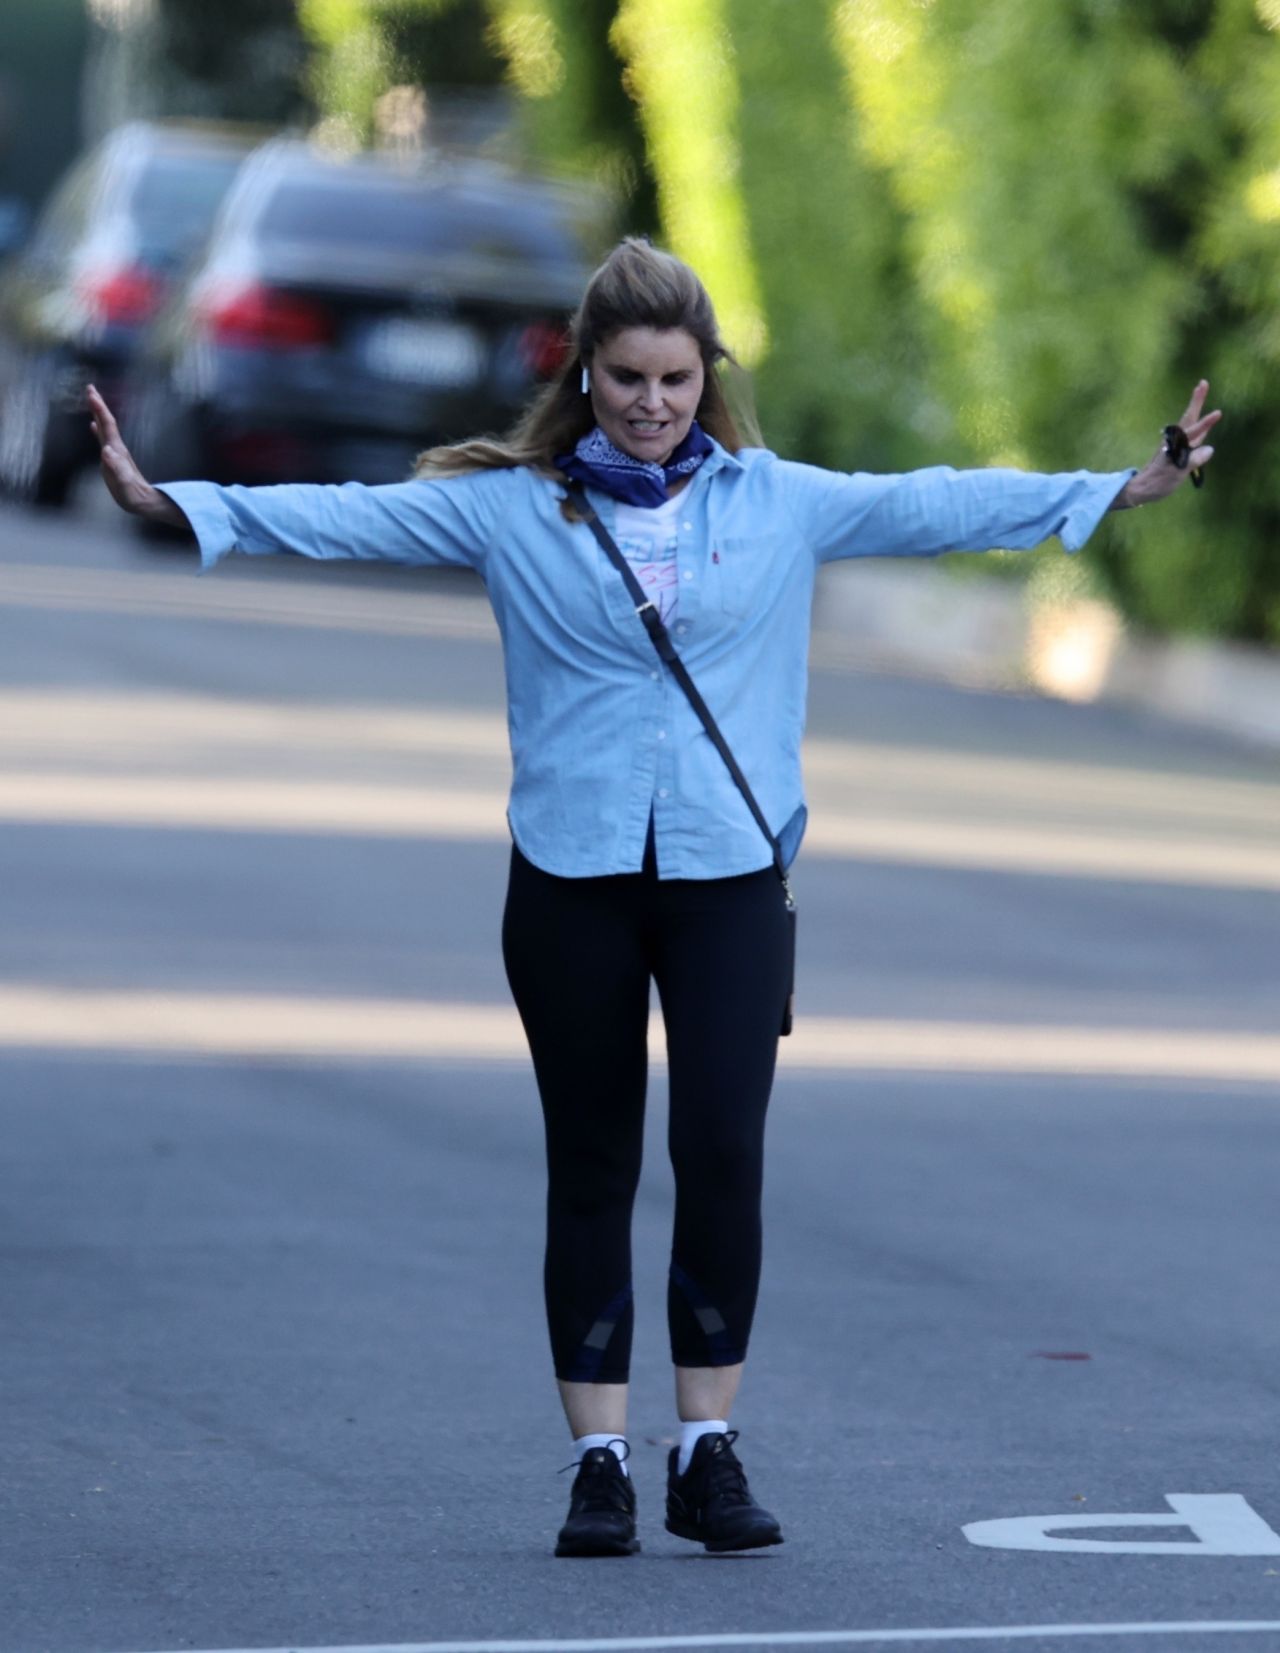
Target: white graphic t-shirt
{"x":647,"y":537}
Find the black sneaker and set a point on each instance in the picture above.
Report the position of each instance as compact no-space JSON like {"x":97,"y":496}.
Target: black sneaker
{"x":712,"y":1503}
{"x":602,"y":1508}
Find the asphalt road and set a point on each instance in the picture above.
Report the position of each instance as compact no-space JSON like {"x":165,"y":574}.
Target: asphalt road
{"x":273,"y":1372}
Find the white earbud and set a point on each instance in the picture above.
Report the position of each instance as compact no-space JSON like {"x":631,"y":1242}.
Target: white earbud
{"x":586,"y":380}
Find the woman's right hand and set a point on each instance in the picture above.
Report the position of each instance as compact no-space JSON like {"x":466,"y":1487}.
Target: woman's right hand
{"x":125,"y":482}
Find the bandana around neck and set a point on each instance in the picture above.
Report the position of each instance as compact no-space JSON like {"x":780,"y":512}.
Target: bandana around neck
{"x":634,"y":481}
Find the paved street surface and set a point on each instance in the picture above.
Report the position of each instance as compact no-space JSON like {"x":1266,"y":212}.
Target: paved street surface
{"x":273,"y":1371}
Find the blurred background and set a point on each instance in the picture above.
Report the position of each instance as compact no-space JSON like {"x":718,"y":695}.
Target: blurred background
{"x":945,"y":231}
{"x":272,"y":1152}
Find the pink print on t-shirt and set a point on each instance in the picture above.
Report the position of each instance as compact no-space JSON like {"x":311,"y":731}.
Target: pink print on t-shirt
{"x":649,"y":540}
{"x":658,"y":581}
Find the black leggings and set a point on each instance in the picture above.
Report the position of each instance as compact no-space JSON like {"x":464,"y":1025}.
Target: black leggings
{"x":579,"y":954}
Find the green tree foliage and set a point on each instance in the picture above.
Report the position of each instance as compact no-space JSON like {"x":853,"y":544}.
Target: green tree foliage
{"x":363,"y":48}
{"x":578,"y":114}
{"x":238,"y":60}
{"x":443,"y":43}
{"x":842,"y":383}
{"x":571,"y":109}
{"x":351,"y":65}
{"x":681,"y":69}
{"x":1076,"y":179}
{"x":1237,"y":247}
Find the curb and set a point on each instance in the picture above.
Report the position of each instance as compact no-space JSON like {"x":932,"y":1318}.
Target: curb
{"x":988,"y":635}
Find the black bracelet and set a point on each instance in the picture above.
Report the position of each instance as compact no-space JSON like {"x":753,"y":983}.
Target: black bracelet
{"x":1177,"y":449}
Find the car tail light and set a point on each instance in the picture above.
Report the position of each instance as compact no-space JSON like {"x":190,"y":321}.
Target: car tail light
{"x":121,"y":297}
{"x":263,"y":453}
{"x":265,"y":318}
{"x":543,"y":347}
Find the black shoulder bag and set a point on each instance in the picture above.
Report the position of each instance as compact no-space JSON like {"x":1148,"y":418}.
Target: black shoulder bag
{"x":660,"y":637}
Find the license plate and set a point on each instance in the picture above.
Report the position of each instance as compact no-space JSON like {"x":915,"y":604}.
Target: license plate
{"x":445,"y":354}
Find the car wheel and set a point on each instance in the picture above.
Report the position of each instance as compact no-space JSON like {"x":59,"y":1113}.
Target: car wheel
{"x":28,"y":469}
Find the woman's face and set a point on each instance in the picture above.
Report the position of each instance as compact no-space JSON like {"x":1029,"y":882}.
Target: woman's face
{"x":646,"y":383}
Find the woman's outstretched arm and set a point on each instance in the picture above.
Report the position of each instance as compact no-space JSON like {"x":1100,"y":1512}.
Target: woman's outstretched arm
{"x":428,"y":523}
{"x":924,"y":513}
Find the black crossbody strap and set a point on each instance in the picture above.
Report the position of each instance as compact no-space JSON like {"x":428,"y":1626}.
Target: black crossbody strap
{"x":660,"y":637}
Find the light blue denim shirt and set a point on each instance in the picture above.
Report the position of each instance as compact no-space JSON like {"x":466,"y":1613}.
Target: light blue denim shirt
{"x":600,"y":734}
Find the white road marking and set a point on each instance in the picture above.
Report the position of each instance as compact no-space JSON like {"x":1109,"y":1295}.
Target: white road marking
{"x":804,"y":1638}
{"x":236,"y":1025}
{"x":1223,"y":1523}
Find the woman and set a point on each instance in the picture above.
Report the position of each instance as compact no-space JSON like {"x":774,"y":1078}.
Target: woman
{"x":635,"y":855}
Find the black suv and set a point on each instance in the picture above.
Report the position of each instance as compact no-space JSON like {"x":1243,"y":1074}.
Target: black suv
{"x":76,"y":300}
{"x":349,"y":312}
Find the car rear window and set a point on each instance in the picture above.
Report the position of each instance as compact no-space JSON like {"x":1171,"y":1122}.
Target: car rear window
{"x":175,"y":197}
{"x":410,"y":219}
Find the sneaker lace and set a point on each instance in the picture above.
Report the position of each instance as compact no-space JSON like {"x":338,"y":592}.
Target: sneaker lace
{"x":596,"y":1487}
{"x":726,"y":1478}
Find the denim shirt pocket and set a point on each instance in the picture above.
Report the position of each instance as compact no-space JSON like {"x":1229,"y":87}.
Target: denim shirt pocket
{"x":741,"y":570}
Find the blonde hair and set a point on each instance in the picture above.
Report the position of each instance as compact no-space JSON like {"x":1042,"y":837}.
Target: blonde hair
{"x":636,"y":286}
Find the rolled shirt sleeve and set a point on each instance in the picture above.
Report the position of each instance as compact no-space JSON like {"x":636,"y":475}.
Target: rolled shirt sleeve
{"x":925,"y":513}
{"x":449,"y":522}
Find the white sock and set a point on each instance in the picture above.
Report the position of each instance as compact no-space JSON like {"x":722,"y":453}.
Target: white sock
{"x":584,"y":1443}
{"x":691,"y":1434}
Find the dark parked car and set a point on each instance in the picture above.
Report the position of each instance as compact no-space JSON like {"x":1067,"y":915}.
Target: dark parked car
{"x":75,"y":301}
{"x":347,"y":313}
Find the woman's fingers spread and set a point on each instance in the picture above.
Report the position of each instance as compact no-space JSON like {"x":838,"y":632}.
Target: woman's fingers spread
{"x":1194,"y":405}
{"x":105,"y":427}
{"x":1200,"y":429}
{"x":115,"y":457}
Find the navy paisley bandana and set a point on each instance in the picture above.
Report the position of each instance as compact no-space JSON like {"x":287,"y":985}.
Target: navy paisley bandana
{"x":633,"y":481}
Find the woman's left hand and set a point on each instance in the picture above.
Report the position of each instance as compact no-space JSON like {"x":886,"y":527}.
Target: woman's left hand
{"x":1160,"y":476}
